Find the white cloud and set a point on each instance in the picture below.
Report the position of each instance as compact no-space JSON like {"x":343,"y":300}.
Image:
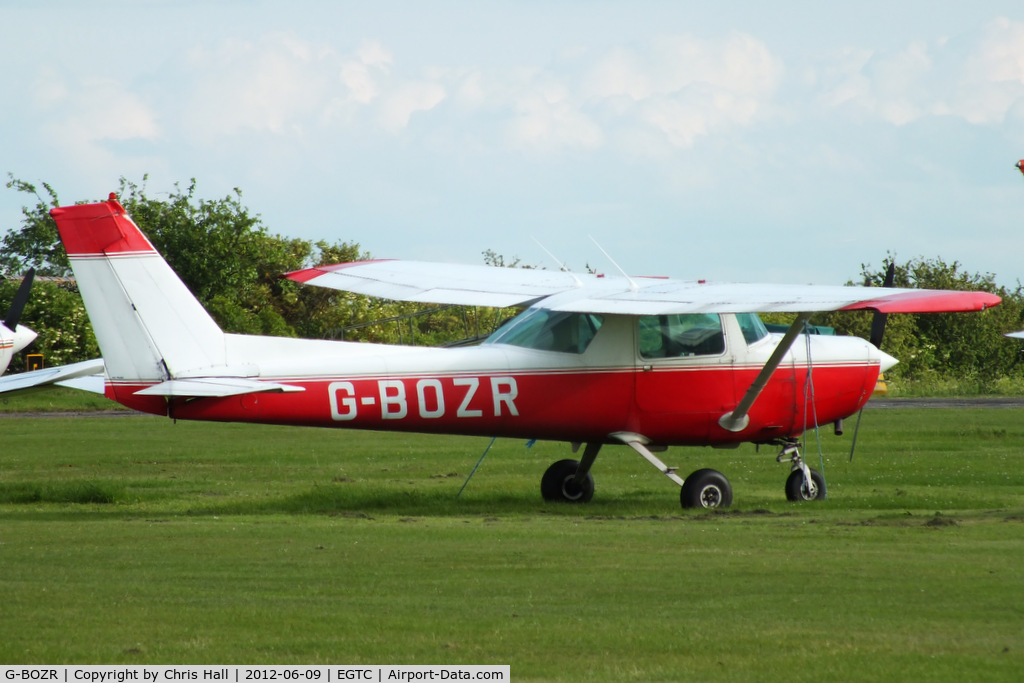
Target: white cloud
{"x":95,"y":111}
{"x":684,"y":88}
{"x":663,"y":92}
{"x":86,"y":122}
{"x":893,"y":87}
{"x":272,"y":85}
{"x":620,"y":72}
{"x":548,"y":118}
{"x":991,"y":79}
{"x":399,"y":104}
{"x":285,"y":86}
{"x":978,"y":78}
{"x":360,"y":74}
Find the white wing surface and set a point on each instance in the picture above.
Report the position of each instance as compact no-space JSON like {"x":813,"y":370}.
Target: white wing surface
{"x":587,"y":293}
{"x":440,"y":283}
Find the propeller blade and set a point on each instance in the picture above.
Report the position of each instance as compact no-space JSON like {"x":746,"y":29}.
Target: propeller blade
{"x":878,"y":322}
{"x":20,"y":299}
{"x":877,"y":331}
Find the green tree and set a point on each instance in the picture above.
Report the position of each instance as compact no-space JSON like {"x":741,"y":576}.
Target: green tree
{"x":222,"y":252}
{"x":228,"y":259}
{"x":37,"y":244}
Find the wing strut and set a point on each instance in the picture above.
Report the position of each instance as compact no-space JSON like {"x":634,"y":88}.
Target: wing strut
{"x":737,"y":420}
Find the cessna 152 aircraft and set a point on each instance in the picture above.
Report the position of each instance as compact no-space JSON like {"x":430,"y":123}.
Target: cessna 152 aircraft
{"x":593,"y":360}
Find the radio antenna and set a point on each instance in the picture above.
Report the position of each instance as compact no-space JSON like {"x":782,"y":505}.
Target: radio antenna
{"x":632,"y":283}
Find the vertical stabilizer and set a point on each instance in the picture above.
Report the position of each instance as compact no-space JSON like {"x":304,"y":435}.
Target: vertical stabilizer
{"x":149,"y":326}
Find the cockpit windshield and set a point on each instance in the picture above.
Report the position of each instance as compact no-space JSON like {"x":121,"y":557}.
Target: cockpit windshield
{"x":547,"y":330}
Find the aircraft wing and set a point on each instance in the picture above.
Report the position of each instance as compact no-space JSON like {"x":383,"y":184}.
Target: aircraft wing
{"x":440,"y":283}
{"x":587,"y":293}
{"x":87,"y":375}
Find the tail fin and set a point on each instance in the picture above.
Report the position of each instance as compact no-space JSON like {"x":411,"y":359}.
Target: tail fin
{"x":149,"y":326}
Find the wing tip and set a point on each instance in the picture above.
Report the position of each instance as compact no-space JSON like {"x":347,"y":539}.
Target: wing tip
{"x":929,"y":301}
{"x":307,"y":274}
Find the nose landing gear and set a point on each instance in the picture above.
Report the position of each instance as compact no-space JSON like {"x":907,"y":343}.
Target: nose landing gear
{"x":803,"y":483}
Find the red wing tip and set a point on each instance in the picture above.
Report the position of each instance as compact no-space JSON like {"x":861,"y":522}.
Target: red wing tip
{"x":301,"y":275}
{"x":307,"y":274}
{"x":929,"y":301}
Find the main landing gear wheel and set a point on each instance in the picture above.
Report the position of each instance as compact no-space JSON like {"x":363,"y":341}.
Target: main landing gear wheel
{"x":559,"y":484}
{"x":706,"y":489}
{"x":797,"y":489}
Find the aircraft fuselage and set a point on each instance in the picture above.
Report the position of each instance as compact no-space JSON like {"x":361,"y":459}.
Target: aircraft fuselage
{"x":504,"y":390}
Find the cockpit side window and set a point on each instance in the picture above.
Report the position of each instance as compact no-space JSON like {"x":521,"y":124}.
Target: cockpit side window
{"x":752,"y":327}
{"x":680,"y":335}
{"x":546,"y":330}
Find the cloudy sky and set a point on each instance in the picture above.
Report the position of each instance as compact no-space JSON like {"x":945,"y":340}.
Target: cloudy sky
{"x":786,"y":141}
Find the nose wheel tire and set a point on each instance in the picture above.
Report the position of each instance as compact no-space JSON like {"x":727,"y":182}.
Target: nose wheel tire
{"x":797,"y":489}
{"x":559,"y":484}
{"x":706,"y":489}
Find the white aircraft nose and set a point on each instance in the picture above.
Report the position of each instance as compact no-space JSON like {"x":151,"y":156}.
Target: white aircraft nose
{"x":22,"y":337}
{"x":887,"y":361}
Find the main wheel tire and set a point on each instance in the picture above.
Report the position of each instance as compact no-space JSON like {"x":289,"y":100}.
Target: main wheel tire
{"x":559,"y":485}
{"x":796,"y":487}
{"x":706,"y":489}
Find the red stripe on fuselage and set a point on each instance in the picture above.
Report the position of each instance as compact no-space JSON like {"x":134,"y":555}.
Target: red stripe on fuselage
{"x":563,"y":406}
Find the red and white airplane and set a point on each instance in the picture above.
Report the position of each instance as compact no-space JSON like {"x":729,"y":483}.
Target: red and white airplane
{"x":593,"y":360}
{"x":14,"y":337}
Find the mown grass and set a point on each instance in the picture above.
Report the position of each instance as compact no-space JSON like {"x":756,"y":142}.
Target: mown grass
{"x":138,"y":540}
{"x":55,"y":399}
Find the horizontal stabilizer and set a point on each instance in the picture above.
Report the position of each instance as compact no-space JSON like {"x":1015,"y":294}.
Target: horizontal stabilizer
{"x":212,"y":387}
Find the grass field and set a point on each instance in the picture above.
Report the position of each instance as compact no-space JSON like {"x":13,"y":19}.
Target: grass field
{"x":138,"y":540}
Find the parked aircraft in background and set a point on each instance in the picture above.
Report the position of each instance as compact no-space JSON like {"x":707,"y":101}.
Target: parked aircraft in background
{"x":14,"y":337}
{"x":593,"y":360}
